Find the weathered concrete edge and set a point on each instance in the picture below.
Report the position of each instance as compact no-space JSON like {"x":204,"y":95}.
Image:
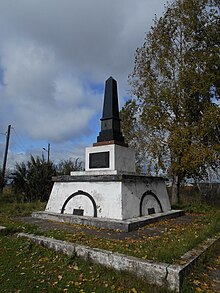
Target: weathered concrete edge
{"x":123,"y":225}
{"x":162,"y":274}
{"x":106,"y":178}
{"x":81,"y":220}
{"x":153,"y":273}
{"x":192,"y":257}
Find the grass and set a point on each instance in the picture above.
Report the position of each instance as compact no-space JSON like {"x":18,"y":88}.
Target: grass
{"x":199,"y":279}
{"x":17,"y":209}
{"x":167,"y":248}
{"x":175,"y":240}
{"x":25,"y":267}
{"x":10,"y":210}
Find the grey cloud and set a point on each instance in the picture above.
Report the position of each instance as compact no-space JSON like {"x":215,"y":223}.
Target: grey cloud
{"x":49,"y":102}
{"x":96,"y":36}
{"x":52,"y":52}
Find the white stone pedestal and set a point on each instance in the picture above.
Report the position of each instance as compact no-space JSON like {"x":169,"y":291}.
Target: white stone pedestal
{"x":118,"y":197}
{"x":108,"y":188}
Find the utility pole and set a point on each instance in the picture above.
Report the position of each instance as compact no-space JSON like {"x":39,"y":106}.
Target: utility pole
{"x":5,"y":156}
{"x":48,"y":153}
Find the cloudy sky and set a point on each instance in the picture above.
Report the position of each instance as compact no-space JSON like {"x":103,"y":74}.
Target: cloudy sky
{"x":55,"y":56}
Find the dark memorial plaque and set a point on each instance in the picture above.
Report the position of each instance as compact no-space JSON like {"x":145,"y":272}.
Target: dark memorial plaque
{"x":151,"y":211}
{"x":99,"y":160}
{"x":78,"y":212}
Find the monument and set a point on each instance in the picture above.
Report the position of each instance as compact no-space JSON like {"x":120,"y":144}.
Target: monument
{"x":109,"y":193}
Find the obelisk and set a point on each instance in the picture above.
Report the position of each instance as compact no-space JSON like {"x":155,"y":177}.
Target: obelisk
{"x":110,"y":121}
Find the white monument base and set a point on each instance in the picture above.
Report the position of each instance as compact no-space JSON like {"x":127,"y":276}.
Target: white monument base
{"x":120,"y":197}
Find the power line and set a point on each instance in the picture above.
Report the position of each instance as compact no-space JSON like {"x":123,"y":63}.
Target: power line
{"x":15,"y":145}
{"x":19,"y":140}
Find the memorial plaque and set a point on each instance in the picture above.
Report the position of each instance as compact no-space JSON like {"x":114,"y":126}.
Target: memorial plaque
{"x":78,"y":212}
{"x":99,"y":160}
{"x":151,"y":211}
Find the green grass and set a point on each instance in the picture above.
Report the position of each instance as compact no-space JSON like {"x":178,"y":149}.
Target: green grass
{"x":199,"y":279}
{"x":192,"y":207}
{"x":17,"y":209}
{"x":11,"y":210}
{"x":169,"y":247}
{"x":26,"y":267}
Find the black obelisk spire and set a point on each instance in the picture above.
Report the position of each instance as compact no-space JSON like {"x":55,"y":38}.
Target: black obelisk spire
{"x":110,"y":121}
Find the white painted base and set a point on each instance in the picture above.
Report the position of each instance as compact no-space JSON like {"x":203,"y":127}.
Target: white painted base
{"x":121,"y":198}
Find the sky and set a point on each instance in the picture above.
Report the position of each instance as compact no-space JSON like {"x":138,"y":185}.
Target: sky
{"x":55,"y":56}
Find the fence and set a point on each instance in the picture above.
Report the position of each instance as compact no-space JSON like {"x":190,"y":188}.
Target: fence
{"x":202,"y":193}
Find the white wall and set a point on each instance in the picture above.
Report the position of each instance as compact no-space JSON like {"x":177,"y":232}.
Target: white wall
{"x":133,"y":191}
{"x":107,"y":196}
{"x":116,"y":200}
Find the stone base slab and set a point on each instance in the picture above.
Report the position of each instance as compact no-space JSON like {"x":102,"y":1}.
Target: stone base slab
{"x":99,"y":173}
{"x":123,"y":225}
{"x":162,"y":274}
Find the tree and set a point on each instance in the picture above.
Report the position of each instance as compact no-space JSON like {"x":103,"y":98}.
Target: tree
{"x":66,"y":166}
{"x":176,"y":84}
{"x":134,"y":133}
{"x":20,"y":180}
{"x":33,"y":179}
